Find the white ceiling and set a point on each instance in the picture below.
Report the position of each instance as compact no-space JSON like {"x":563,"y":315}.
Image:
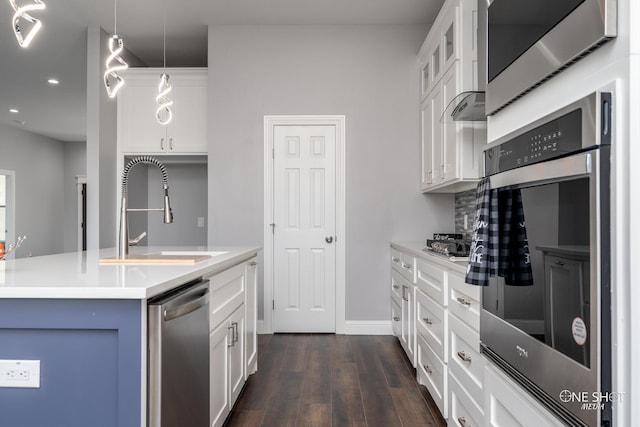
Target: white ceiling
{"x":60,"y":48}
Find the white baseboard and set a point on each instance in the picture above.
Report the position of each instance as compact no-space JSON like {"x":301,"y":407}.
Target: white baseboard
{"x":367,"y":327}
{"x":351,"y":327}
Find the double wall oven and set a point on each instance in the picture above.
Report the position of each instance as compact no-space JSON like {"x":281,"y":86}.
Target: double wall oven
{"x":551,"y":332}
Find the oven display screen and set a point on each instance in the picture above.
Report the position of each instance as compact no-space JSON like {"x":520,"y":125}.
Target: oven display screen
{"x":555,"y":307}
{"x":516,"y":25}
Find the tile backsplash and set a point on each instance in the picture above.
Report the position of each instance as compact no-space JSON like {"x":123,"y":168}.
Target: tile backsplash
{"x":465,"y":203}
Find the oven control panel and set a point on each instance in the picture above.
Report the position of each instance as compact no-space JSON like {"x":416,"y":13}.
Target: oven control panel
{"x":551,"y":140}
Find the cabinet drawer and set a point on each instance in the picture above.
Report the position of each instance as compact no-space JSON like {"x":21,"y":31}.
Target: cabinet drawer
{"x":404,"y":263}
{"x":432,"y":373}
{"x":463,"y":412}
{"x":465,"y":361}
{"x":396,"y":317}
{"x":431,"y":323}
{"x":396,"y":259}
{"x":432,"y":281}
{"x":464,"y":300}
{"x":227,"y":292}
{"x":397,"y":282}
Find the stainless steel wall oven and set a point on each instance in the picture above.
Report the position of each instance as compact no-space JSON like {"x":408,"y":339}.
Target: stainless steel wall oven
{"x":530,"y":41}
{"x":551,"y":332}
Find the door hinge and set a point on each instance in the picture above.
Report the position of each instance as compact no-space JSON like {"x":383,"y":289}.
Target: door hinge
{"x":273,"y":304}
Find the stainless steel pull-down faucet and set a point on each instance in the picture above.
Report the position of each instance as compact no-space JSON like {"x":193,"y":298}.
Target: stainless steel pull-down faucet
{"x":123,"y":235}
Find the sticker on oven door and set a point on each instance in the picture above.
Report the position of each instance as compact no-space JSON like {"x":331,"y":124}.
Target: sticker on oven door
{"x":579,"y":331}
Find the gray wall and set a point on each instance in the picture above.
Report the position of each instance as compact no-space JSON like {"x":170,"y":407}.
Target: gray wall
{"x":367,"y":73}
{"x":38,"y":163}
{"x":75,"y":163}
{"x":101,"y":147}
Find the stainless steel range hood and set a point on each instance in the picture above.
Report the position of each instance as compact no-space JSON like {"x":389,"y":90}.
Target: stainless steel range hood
{"x":465,"y":107}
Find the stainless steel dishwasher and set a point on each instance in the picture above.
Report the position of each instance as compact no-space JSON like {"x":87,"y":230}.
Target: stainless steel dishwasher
{"x":178,"y":357}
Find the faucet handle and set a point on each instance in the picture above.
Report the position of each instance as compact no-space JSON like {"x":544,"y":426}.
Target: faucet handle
{"x":135,"y":241}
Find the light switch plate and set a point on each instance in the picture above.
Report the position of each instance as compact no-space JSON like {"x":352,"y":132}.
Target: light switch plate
{"x":20,"y":373}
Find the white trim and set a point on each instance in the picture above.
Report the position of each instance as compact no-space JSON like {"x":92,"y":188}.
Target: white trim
{"x":339,"y":122}
{"x":260,"y":329}
{"x":368,"y":327}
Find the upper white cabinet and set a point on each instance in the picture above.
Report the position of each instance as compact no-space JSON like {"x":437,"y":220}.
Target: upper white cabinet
{"x":138,"y":130}
{"x":449,"y":64}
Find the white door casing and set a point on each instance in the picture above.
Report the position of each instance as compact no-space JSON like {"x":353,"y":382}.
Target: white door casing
{"x":304,"y":198}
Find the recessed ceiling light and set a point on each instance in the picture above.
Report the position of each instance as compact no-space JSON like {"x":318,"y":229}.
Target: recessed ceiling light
{"x":13,"y":110}
{"x":53,"y":81}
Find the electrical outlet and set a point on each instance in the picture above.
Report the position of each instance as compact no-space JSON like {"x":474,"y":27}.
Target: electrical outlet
{"x":466,"y":222}
{"x":20,"y":373}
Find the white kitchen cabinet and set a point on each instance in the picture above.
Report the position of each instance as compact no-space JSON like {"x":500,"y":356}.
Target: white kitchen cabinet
{"x":507,"y":405}
{"x":403,"y":296}
{"x":138,"y":130}
{"x":231,"y":307}
{"x":448,"y":57}
{"x":432,"y":373}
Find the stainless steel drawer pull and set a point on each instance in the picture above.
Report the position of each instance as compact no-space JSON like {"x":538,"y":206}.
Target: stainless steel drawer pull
{"x":235,"y":331}
{"x":463,"y":356}
{"x":463,"y":301}
{"x":232,"y":343}
{"x":428,"y":369}
{"x":404,"y":296}
{"x":463,"y":422}
{"x":560,"y":263}
{"x":396,"y":319}
{"x":406,"y":266}
{"x":162,"y":143}
{"x":395,"y":259}
{"x":253,"y":264}
{"x":396,"y":287}
{"x":427,"y":321}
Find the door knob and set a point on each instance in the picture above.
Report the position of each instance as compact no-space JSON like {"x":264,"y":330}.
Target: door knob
{"x":328,"y":239}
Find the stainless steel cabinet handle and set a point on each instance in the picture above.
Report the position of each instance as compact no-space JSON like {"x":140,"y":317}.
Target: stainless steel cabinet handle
{"x":404,"y":295}
{"x":395,"y":259}
{"x":463,"y":301}
{"x":428,"y":369}
{"x":396,"y":319}
{"x":253,"y":264}
{"x":396,"y":286}
{"x":328,"y":239}
{"x":463,"y":356}
{"x":232,"y":343}
{"x":407,"y":266}
{"x":427,"y":321}
{"x":235,"y":331}
{"x":162,"y":143}
{"x":441,"y":171}
{"x":560,"y":263}
{"x":463,"y":422}
{"x":170,"y":143}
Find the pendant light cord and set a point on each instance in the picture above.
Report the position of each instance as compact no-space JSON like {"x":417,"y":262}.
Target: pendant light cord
{"x":164,"y":36}
{"x":115,"y":16}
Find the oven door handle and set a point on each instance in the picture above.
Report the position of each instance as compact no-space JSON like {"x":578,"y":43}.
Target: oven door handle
{"x":553,"y":170}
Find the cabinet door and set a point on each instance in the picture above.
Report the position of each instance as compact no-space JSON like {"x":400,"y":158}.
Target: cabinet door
{"x":236,"y":355}
{"x":450,"y":129}
{"x":449,"y":28}
{"x":427,"y":144}
{"x":219,"y":402}
{"x":251,"y":310}
{"x":436,"y":115}
{"x":139,"y":131}
{"x":408,"y":337}
{"x":188,"y":129}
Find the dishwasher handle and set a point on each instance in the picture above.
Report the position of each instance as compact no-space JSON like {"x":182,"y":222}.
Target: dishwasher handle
{"x":200,"y":300}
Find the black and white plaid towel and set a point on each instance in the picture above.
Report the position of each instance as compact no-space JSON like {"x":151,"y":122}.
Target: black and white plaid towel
{"x":483,"y":258}
{"x":515,"y":259}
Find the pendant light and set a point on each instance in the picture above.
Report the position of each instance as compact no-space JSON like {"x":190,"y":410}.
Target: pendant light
{"x":26,"y":33}
{"x":112,"y":80}
{"x":163,"y":113}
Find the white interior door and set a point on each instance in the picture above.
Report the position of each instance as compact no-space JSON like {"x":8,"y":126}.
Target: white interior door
{"x":304,"y":233}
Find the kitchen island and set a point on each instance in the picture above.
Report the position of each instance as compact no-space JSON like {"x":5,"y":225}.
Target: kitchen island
{"x":86,"y":324}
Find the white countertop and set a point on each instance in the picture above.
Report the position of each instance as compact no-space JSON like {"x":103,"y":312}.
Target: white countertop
{"x":80,"y":274}
{"x":416,"y":249}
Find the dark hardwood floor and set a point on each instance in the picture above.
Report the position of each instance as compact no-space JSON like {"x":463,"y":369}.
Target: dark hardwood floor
{"x":333,"y":380}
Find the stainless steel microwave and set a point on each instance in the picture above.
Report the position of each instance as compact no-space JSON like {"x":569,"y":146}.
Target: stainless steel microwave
{"x":530,"y":41}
